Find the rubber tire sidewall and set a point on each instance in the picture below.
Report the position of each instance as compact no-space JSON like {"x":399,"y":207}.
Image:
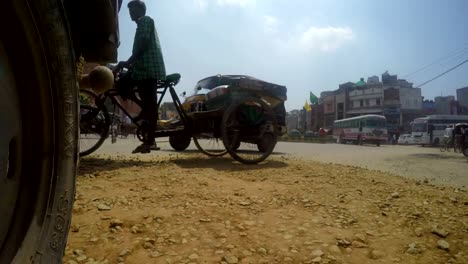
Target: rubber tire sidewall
{"x":46,"y":234}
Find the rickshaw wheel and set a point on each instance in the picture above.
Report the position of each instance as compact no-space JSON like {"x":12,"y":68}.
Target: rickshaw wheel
{"x":245,"y":123}
{"x":266,"y":141}
{"x":465,"y":151}
{"x":212,"y":147}
{"x":179,"y":142}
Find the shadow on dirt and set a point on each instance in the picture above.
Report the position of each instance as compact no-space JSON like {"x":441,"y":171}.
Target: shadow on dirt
{"x":91,"y":165}
{"x":226,"y":164}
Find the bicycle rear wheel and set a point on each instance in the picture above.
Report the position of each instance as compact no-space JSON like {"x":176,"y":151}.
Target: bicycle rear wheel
{"x":94,"y":122}
{"x":210,"y":146}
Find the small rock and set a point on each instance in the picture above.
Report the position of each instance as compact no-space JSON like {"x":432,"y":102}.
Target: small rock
{"x":115,"y":223}
{"x":418,"y":232}
{"x":334,"y":249}
{"x":442,"y":244}
{"x":245,"y":203}
{"x":247,"y":253}
{"x":375,"y":254}
{"x":135,"y":230}
{"x":343,"y":243}
{"x":184,"y":241}
{"x":155,"y":254}
{"x":358,"y":244}
{"x":75,"y":228}
{"x":72,"y":262}
{"x":78,"y":252}
{"x":395,"y":195}
{"x":317,"y":253}
{"x":103,"y":207}
{"x":262,"y":251}
{"x":437,"y":230}
{"x":230,"y":259}
{"x":81,"y":258}
{"x":124,"y":252}
{"x":193,"y":256}
{"x":413,"y":249}
{"x":105,"y":217}
{"x":317,"y":260}
{"x":147,"y":245}
{"x":288,"y":237}
{"x":361,"y":238}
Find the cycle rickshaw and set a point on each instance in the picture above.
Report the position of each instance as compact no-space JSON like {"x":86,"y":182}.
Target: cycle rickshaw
{"x":235,"y":114}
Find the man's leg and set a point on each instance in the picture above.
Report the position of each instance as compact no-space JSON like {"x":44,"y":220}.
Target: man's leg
{"x":147,"y":92}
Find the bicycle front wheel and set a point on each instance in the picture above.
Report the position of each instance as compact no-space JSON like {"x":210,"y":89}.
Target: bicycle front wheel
{"x":94,"y":122}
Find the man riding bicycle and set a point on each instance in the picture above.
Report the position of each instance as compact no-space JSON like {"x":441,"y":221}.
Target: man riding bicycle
{"x":145,"y":69}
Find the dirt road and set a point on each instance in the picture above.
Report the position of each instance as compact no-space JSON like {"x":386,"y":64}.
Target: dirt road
{"x":186,"y":208}
{"x":414,"y":162}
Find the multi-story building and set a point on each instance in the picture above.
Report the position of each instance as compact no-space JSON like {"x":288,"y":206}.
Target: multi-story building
{"x":365,"y":98}
{"x":394,"y":98}
{"x":445,"y":105}
{"x":292,"y":119}
{"x":462,"y":98}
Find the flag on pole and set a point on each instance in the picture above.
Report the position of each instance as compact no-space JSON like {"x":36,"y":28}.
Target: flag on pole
{"x":313,"y":98}
{"x":307,"y":106}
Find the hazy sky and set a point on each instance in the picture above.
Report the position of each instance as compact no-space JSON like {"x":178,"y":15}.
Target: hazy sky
{"x":310,"y":45}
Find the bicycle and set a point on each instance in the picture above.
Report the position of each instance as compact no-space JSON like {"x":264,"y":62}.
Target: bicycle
{"x":96,"y":122}
{"x":447,"y":145}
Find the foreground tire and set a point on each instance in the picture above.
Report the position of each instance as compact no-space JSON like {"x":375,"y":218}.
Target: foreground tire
{"x":38,"y":151}
{"x":465,"y":151}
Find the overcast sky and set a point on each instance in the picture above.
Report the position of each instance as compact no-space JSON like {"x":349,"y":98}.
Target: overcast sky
{"x":310,"y":45}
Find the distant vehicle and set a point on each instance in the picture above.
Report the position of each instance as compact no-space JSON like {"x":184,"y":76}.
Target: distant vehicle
{"x":361,"y":129}
{"x":294,"y":133}
{"x":422,"y":128}
{"x":310,"y":134}
{"x":405,"y":139}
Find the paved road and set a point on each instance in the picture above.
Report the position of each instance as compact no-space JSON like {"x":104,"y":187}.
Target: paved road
{"x":409,"y":161}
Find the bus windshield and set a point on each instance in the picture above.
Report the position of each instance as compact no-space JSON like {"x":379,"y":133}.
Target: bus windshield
{"x":375,"y":123}
{"x":419,"y":127}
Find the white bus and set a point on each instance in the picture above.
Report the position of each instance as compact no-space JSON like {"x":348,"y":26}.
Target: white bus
{"x":430,"y":130}
{"x":361,"y":129}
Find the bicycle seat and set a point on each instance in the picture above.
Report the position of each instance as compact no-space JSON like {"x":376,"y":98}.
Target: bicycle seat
{"x":171,"y":79}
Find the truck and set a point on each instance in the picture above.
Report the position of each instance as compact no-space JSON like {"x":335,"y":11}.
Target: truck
{"x":41,"y":44}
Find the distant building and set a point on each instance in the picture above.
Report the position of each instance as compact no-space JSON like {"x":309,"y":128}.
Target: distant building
{"x":394,"y":98}
{"x":444,"y":105}
{"x":365,"y":98}
{"x":462,"y":96}
{"x":428,"y":107}
{"x":292,"y":120}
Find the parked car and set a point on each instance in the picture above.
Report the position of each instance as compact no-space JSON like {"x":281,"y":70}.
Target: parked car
{"x":310,"y":134}
{"x":294,"y":133}
{"x":405,"y":139}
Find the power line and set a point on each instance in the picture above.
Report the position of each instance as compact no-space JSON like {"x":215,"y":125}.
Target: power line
{"x":449,"y":70}
{"x":457,"y":52}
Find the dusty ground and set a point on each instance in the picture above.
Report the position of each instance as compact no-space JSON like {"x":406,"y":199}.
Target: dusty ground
{"x":191,"y":209}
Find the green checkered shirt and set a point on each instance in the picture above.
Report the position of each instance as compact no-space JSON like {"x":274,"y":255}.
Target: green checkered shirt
{"x":151,"y":64}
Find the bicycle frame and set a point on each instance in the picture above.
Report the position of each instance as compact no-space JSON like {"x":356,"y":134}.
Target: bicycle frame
{"x":162,"y":91}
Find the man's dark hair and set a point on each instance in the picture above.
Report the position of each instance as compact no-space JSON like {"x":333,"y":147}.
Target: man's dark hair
{"x":137,"y":4}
